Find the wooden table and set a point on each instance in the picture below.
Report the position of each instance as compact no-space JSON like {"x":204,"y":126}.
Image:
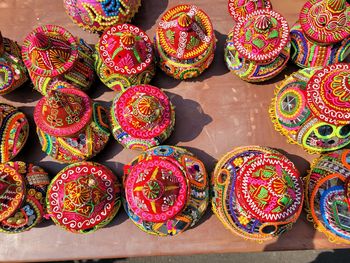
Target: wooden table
{"x":215,"y":112}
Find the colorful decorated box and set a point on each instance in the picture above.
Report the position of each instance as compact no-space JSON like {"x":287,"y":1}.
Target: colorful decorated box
{"x":71,"y":127}
{"x":327,"y":195}
{"x":258,"y":47}
{"x":13,"y":73}
{"x":98,"y":15}
{"x":166,"y":190}
{"x":239,"y":9}
{"x":257,"y":192}
{"x":311,"y":108}
{"x":124,"y":57}
{"x":22,"y":196}
{"x":322,"y":35}
{"x":51,"y":53}
{"x":14,"y":130}
{"x":83,"y":197}
{"x":142,"y":117}
{"x":185,"y":42}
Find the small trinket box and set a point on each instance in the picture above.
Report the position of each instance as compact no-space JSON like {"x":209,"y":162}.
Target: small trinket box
{"x":70,"y":126}
{"x":185,"y":42}
{"x":142,"y":117}
{"x":98,"y":15}
{"x":22,"y":196}
{"x":257,"y":192}
{"x":258,"y":47}
{"x":124,"y":57}
{"x":166,"y":190}
{"x":13,"y":73}
{"x":322,"y":35}
{"x":312,"y":110}
{"x":83,"y":197}
{"x":239,"y":9}
{"x":327,"y":195}
{"x":51,"y":53}
{"x":14,"y":131}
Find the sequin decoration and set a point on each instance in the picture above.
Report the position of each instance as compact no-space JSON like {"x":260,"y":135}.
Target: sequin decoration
{"x":13,"y":73}
{"x":258,"y":47}
{"x":142,"y":117}
{"x":166,"y":190}
{"x":257,"y":192}
{"x":83,"y":197}
{"x":239,"y":9}
{"x":124,"y":57}
{"x":98,"y":15}
{"x":304,"y":108}
{"x":321,"y":37}
{"x":32,"y":210}
{"x":185,"y":42}
{"x":70,"y":126}
{"x":326,"y":198}
{"x":14,"y":130}
{"x":51,"y":53}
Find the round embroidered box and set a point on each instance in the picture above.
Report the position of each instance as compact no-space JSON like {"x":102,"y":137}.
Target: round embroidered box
{"x":51,"y":53}
{"x":185,"y":42}
{"x":98,"y":15}
{"x":13,"y":73}
{"x":30,"y":187}
{"x":166,"y":190}
{"x":322,"y":35}
{"x":327,"y":196}
{"x":311,"y":108}
{"x":70,"y":126}
{"x":14,"y":131}
{"x":83,"y":197}
{"x":239,"y":9}
{"x":257,"y":49}
{"x":124,"y":57}
{"x":142,"y":117}
{"x":257,"y":192}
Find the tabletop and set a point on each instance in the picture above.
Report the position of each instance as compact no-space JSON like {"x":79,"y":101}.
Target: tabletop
{"x":214,"y":113}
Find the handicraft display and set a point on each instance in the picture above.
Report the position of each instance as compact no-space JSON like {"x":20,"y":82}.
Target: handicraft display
{"x":142,"y":117}
{"x":322,"y":35}
{"x":166,"y":190}
{"x":311,"y":108}
{"x":185,"y":42}
{"x":70,"y":126}
{"x":257,"y":192}
{"x":22,"y":196}
{"x":239,"y":9}
{"x":124,"y":57}
{"x":83,"y":197}
{"x":327,"y":195}
{"x":258,"y":47}
{"x":51,"y":53}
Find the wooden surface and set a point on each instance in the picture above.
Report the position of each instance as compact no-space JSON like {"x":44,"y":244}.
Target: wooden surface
{"x":214,"y":113}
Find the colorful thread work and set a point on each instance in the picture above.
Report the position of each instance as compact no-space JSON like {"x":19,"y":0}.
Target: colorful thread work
{"x":239,"y":9}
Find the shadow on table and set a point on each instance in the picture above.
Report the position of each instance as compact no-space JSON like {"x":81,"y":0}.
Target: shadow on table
{"x":149,"y":12}
{"x":21,"y":94}
{"x":190,"y":119}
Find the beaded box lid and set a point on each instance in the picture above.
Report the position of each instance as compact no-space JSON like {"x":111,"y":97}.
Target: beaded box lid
{"x":14,"y":131}
{"x":32,"y":210}
{"x":326,"y":21}
{"x":49,"y":51}
{"x":83,"y":197}
{"x":143,"y":111}
{"x":12,"y":190}
{"x":327,"y":200}
{"x":261,"y":36}
{"x":263,"y":189}
{"x":98,"y":15}
{"x":185,"y":32}
{"x":239,"y":9}
{"x":63,"y":112}
{"x":328,"y":93}
{"x":126,"y":49}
